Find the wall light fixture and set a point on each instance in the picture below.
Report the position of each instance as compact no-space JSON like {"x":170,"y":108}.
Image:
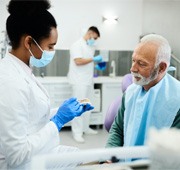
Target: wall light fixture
{"x":110,"y":20}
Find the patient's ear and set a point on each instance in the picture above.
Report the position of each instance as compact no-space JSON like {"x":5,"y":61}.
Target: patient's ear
{"x":162,"y":67}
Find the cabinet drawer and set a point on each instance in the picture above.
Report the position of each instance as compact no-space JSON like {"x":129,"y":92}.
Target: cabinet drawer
{"x":55,"y":104}
{"x":60,"y":88}
{"x":96,"y":119}
{"x":60,"y":95}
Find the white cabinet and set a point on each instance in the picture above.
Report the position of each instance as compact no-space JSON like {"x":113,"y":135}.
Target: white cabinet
{"x":58,"y":92}
{"x":96,"y":100}
{"x":108,"y":88}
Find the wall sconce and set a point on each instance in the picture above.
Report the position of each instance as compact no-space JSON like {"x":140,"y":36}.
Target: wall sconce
{"x":110,"y":20}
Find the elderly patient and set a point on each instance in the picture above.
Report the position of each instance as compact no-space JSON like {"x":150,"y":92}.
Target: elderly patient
{"x":153,"y":100}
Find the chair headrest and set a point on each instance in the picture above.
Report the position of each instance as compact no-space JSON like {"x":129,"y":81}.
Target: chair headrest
{"x":126,"y":81}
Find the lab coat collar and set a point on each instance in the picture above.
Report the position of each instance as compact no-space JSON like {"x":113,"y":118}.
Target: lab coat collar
{"x":27,"y":69}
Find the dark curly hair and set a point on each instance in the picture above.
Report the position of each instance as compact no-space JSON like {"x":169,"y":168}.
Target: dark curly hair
{"x":29,"y":17}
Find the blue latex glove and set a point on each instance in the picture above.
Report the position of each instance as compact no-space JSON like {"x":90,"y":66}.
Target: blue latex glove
{"x":87,"y":107}
{"x":101,"y":66}
{"x":68,"y":110}
{"x":97,"y":58}
{"x":97,"y":67}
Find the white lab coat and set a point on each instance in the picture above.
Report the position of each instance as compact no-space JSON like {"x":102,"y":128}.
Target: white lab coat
{"x":25,"y":129}
{"x":81,"y":74}
{"x":81,"y":79}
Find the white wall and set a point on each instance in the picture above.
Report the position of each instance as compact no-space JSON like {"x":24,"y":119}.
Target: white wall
{"x":74,"y":15}
{"x":3,"y":16}
{"x":135,"y":17}
{"x":163,"y":17}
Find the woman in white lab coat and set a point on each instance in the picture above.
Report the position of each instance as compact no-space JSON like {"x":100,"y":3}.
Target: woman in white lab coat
{"x":26,"y":126}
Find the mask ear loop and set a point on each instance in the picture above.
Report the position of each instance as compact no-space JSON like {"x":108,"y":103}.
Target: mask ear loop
{"x":37,"y":44}
{"x":31,"y":52}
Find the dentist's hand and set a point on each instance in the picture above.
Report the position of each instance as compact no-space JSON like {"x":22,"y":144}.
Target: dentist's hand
{"x":68,"y":110}
{"x":87,"y":107}
{"x":97,"y":58}
{"x":101,"y":66}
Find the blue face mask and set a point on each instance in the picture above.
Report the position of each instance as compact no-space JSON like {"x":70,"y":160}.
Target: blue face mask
{"x":45,"y":59}
{"x":90,"y":42}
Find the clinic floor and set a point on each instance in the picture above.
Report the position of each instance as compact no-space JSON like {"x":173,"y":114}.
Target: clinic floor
{"x":91,"y":141}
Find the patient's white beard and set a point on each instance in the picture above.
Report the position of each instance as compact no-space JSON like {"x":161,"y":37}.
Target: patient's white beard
{"x":143,"y":80}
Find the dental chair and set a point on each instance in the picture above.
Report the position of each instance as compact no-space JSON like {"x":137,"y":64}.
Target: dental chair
{"x":116,"y":103}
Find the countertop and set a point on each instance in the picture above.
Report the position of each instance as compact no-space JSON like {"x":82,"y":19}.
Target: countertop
{"x":100,"y":79}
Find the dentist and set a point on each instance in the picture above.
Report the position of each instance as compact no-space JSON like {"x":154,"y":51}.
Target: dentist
{"x":26,"y":125}
{"x":80,"y":77}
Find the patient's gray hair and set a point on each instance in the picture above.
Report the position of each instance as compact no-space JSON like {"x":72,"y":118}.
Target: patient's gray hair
{"x":164,"y":49}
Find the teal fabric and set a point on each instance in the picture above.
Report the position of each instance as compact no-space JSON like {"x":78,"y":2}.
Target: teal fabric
{"x":156,"y":107}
